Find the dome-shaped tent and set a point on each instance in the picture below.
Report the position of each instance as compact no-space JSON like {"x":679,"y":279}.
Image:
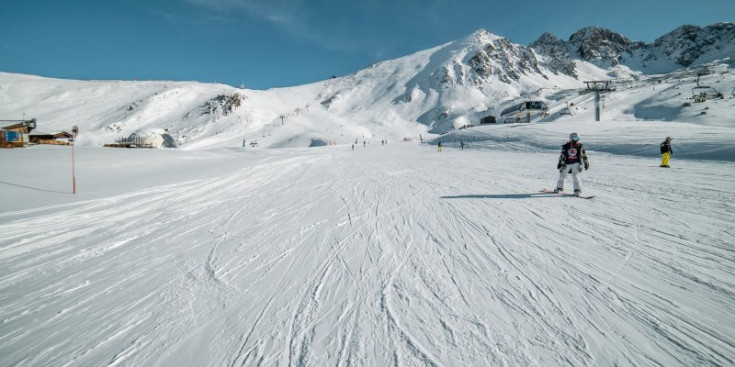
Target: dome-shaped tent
{"x":155,"y":138}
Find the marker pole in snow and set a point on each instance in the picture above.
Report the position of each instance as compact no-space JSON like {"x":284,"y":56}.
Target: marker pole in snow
{"x":74,"y":132}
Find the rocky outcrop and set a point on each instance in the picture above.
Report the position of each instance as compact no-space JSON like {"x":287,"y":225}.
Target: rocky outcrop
{"x":687,"y":44}
{"x":601,"y":46}
{"x":558,"y":59}
{"x":505,"y":60}
{"x":222,"y":104}
{"x":684,"y":47}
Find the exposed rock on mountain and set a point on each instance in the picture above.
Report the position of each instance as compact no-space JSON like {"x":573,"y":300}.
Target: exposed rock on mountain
{"x":558,"y":60}
{"x":224,"y":104}
{"x":683,"y":47}
{"x":687,"y":44}
{"x":499,"y":57}
{"x":601,"y":46}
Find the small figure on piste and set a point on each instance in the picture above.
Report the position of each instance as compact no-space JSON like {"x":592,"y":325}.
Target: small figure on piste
{"x":666,"y":152}
{"x":573,"y":159}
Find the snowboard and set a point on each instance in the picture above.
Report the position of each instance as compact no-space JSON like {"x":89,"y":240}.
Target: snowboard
{"x":547,"y":191}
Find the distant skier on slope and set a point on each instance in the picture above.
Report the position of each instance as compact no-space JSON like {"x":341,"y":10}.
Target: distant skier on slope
{"x":666,"y":152}
{"x":439,"y":146}
{"x":573,"y":157}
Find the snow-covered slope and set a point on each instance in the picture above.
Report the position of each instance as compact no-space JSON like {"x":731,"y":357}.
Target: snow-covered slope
{"x":386,"y":255}
{"x":429,"y":92}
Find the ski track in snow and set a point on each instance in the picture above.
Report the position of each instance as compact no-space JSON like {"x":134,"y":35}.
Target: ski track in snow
{"x":378,"y":257}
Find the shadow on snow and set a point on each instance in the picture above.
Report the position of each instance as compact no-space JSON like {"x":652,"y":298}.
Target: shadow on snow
{"x":34,"y":188}
{"x":507,"y":196}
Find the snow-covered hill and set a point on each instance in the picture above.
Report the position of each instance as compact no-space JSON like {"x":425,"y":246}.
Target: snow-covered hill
{"x":426,"y":93}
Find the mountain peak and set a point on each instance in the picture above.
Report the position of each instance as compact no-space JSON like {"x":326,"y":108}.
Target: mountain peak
{"x":482,"y":36}
{"x":685,"y":44}
{"x":600,"y":45}
{"x":547,"y":37}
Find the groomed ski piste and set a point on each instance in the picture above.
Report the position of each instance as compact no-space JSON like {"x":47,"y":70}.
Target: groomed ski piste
{"x":385,"y":255}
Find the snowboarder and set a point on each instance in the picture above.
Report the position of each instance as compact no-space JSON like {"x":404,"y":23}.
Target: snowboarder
{"x":353,"y":147}
{"x":439,"y":146}
{"x":666,"y":152}
{"x":573,"y":157}
{"x":461,"y":143}
{"x":363,"y":143}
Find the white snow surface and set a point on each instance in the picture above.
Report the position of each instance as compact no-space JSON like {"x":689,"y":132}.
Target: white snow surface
{"x":385,"y":255}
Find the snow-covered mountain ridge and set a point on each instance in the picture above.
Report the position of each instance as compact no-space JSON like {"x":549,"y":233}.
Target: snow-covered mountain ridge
{"x":685,"y":46}
{"x":428,"y":92}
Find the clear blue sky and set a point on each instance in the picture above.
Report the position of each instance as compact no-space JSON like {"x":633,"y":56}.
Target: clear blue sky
{"x":274,"y":43}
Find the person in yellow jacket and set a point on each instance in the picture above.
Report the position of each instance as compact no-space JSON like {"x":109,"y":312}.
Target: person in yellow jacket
{"x":666,"y":152}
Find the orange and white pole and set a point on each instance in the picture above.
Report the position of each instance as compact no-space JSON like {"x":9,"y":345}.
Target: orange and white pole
{"x":74,"y":132}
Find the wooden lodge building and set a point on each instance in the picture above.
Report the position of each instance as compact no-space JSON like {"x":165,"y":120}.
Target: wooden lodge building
{"x":41,"y":137}
{"x":16,"y":135}
{"x":23,"y":133}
